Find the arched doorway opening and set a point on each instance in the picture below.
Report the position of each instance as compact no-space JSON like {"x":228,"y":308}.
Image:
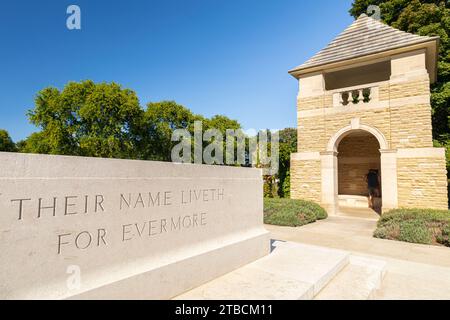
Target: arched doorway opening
{"x":358,"y":153}
{"x":329,"y":168}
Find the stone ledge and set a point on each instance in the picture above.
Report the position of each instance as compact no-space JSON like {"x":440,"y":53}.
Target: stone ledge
{"x":24,"y":165}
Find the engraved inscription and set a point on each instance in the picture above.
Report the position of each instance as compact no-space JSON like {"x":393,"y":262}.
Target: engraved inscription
{"x":145,"y":204}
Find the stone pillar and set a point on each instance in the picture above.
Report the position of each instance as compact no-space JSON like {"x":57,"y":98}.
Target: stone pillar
{"x":329,"y":171}
{"x":408,"y":66}
{"x":311,"y":85}
{"x":389,"y":179}
{"x":422,"y":178}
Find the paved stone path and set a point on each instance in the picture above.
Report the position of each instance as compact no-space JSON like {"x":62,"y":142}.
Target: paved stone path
{"x":413,"y":271}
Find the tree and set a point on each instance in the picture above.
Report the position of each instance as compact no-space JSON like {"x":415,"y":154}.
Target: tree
{"x":426,"y":18}
{"x":288,"y":136}
{"x":106,"y":120}
{"x":86,"y":119}
{"x":6,"y":143}
{"x":159,"y":121}
{"x":222,"y":124}
{"x":37,"y":142}
{"x":279,"y":184}
{"x":288,"y":145}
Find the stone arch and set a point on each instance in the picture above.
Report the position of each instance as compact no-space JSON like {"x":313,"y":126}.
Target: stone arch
{"x":329,"y":167}
{"x":333,"y":143}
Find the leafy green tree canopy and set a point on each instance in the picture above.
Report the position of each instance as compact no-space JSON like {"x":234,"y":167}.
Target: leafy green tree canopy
{"x":221,"y":123}
{"x":288,"y":145}
{"x":86,"y":119}
{"x":106,"y":120}
{"x":6,"y":143}
{"x":162,"y":118}
{"x":288,"y":136}
{"x":159,"y":121}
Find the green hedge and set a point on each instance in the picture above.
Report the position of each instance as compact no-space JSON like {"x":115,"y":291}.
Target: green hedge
{"x":292,"y":213}
{"x":425,"y":226}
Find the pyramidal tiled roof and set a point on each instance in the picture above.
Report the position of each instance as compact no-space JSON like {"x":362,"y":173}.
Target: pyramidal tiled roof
{"x":364,"y":36}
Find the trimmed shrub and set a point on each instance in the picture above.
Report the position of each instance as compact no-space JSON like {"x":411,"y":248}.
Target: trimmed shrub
{"x":424,"y":226}
{"x":292,"y":213}
{"x":444,"y":238}
{"x":415,"y":231}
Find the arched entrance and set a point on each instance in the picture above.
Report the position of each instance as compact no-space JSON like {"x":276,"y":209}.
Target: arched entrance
{"x":350,"y":137}
{"x":358,"y":153}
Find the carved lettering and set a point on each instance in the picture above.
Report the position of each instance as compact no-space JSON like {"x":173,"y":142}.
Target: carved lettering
{"x":123,"y":200}
{"x":77,"y":240}
{"x":126,"y":231}
{"x":101,"y":234}
{"x":139,"y":200}
{"x":99,"y":202}
{"x":60,"y":243}
{"x":174,"y":225}
{"x":82,"y":240}
{"x":74,"y":204}
{"x":153,"y":201}
{"x":67,"y":205}
{"x":157,"y":227}
{"x":20,"y":205}
{"x":53,"y":207}
{"x":167,"y":198}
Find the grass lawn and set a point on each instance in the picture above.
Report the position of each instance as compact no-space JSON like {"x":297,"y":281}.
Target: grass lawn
{"x":423,"y":226}
{"x":291,"y":213}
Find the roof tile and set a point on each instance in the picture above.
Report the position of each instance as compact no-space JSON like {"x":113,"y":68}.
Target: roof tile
{"x":363,"y":37}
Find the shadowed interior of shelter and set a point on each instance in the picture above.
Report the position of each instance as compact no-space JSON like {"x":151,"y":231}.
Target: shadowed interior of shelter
{"x":375,"y":72}
{"x":358,"y":152}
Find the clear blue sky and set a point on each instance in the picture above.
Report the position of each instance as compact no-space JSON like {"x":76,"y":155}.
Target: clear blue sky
{"x":226,"y":57}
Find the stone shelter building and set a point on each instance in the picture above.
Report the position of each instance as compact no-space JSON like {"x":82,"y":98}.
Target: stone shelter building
{"x":364,"y":103}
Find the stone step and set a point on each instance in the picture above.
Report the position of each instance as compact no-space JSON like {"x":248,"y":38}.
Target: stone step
{"x":292,"y":272}
{"x":359,"y":280}
{"x":365,"y":213}
{"x":353,"y":201}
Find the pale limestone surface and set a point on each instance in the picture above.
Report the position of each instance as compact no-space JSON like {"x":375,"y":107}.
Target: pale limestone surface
{"x":311,"y":273}
{"x":407,"y":280}
{"x":250,"y":283}
{"x":291,"y":271}
{"x":359,"y":280}
{"x":129,"y":229}
{"x":309,"y":264}
{"x":350,"y":265}
{"x":359,"y":212}
{"x":413,"y":271}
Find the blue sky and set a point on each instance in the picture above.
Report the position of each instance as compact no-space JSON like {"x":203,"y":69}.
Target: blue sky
{"x":226,"y":57}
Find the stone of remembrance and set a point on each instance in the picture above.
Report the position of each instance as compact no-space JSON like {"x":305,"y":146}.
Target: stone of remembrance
{"x":73,"y":227}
